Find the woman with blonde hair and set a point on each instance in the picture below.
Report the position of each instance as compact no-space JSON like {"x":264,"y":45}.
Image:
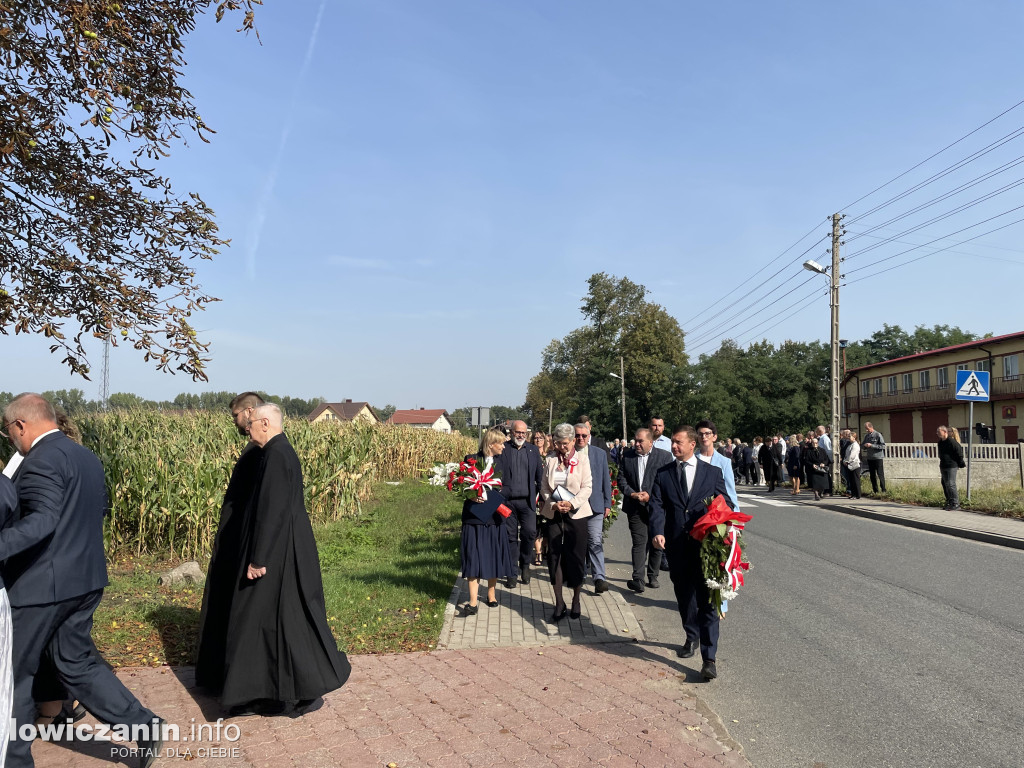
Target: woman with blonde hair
{"x":565,"y":493}
{"x":543,"y":442}
{"x":484,"y":549}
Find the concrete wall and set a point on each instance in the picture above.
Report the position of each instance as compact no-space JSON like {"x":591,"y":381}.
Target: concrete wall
{"x":902,"y":467}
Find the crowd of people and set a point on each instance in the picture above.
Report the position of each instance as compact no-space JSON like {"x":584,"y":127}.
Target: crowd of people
{"x":265,"y":646}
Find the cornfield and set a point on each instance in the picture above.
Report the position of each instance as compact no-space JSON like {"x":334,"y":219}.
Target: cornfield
{"x":166,"y":474}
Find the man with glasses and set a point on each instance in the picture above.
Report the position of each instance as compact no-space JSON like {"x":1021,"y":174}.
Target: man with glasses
{"x":522,"y":472}
{"x":600,"y":503}
{"x":55,"y":572}
{"x":226,"y":559}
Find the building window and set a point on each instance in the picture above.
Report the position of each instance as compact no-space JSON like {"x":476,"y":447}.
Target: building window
{"x":925,"y":378}
{"x":964,"y":367}
{"x":1010,"y":370}
{"x":942,"y":378}
{"x":982,"y":365}
{"x":865,"y":389}
{"x":893,"y":387}
{"x":878,"y":387}
{"x":908,"y":382}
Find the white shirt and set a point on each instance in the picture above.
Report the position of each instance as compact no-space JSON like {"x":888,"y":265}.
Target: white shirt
{"x":641,"y":468}
{"x":690,"y":468}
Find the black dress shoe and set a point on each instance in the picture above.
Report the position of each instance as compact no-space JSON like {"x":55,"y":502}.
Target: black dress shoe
{"x":574,"y":613}
{"x":75,"y":713}
{"x":557,"y":616}
{"x":636,"y":586}
{"x":688,"y":650}
{"x":526,"y":574}
{"x":511,"y":583}
{"x":708,"y":670}
{"x":470,"y":610}
{"x":600,"y":586}
{"x":150,"y":749}
{"x":664,"y":565}
{"x":653,"y":584}
{"x":492,"y":603}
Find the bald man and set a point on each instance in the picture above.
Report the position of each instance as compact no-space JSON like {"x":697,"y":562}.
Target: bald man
{"x":522,"y":471}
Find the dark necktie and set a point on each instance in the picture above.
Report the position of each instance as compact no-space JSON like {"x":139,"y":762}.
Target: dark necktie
{"x":682,"y":479}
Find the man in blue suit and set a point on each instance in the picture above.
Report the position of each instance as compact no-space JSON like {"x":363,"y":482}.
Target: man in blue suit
{"x":55,"y":572}
{"x":600,"y":503}
{"x":639,"y":467}
{"x":677,"y":502}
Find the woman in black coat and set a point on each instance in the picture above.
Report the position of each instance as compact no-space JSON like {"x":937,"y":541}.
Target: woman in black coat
{"x":794,"y":465}
{"x":484,"y":550}
{"x":816,"y":465}
{"x":951,"y":458}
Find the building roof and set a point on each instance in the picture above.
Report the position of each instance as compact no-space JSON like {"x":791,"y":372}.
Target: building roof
{"x":965,"y":345}
{"x":345,"y":411}
{"x":418,"y":416}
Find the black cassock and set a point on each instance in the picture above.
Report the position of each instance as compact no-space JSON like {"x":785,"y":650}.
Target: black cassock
{"x":278,"y":643}
{"x":222,"y":575}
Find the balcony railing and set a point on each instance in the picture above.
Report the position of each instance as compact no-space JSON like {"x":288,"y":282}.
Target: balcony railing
{"x":1011,"y":385}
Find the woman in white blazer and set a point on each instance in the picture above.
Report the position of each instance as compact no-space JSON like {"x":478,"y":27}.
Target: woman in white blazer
{"x":567,"y":519}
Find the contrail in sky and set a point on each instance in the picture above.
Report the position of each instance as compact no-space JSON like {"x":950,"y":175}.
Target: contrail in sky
{"x":271,"y":182}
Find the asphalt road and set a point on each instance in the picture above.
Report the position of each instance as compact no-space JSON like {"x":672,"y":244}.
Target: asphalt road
{"x":859,"y":644}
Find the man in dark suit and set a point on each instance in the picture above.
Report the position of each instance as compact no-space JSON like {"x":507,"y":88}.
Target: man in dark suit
{"x":677,"y":502}
{"x":522,"y":472}
{"x":636,"y":481}
{"x":55,"y":574}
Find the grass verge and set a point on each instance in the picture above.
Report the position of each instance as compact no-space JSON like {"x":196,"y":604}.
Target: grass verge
{"x":1004,"y":501}
{"x":387,"y":576}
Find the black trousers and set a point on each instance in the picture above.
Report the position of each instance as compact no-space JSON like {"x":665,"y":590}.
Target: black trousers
{"x":700,"y":618}
{"x":64,"y":631}
{"x":646,"y":559}
{"x":877,"y":474}
{"x":522,"y":533}
{"x":853,"y":481}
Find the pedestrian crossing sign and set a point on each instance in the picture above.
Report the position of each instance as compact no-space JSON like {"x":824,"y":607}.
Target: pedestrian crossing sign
{"x":972,"y":385}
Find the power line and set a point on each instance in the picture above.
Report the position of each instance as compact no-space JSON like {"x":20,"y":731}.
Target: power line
{"x":962,"y":253}
{"x":803,"y":305}
{"x":941,"y":217}
{"x":945,"y":196}
{"x":939,"y":250}
{"x":932,"y":156}
{"x":718,"y":301}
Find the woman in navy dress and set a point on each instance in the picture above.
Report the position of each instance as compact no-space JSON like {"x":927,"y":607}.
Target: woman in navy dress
{"x":485,"y":552}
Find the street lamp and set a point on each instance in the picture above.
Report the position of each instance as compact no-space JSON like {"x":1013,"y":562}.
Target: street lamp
{"x":813,"y":266}
{"x":621,"y":376}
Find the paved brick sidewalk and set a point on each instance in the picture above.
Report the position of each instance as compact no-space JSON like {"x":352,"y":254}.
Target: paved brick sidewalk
{"x":521,"y":618}
{"x":615,"y":704}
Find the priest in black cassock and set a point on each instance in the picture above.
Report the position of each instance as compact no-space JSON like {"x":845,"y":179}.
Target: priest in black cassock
{"x":226,"y":560}
{"x":279,"y":648}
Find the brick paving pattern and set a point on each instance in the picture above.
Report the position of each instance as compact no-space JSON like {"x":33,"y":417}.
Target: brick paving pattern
{"x":613,"y":704}
{"x":521,"y":618}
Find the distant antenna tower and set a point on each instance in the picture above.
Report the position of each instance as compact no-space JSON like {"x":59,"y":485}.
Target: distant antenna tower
{"x":105,"y":384}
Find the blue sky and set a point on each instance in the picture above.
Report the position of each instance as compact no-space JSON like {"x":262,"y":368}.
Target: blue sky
{"x":417,"y":192}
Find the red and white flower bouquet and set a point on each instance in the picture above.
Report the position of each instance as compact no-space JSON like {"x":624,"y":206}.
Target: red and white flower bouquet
{"x":721,"y":549}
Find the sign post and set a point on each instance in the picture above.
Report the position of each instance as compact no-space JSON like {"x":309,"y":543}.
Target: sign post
{"x":972,"y":386}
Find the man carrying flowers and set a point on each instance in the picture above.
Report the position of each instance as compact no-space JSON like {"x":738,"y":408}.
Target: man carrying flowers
{"x":677,"y":502}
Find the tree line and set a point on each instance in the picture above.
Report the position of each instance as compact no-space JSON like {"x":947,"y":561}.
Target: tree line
{"x":764,"y":389}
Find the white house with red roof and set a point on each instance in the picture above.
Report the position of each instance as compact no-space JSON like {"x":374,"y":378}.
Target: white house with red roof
{"x":424,"y":418}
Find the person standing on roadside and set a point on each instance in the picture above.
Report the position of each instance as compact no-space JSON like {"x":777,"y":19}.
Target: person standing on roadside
{"x":657,"y":426}
{"x":951,"y":458}
{"x":636,"y":479}
{"x":522,"y":472}
{"x":825,"y":442}
{"x":226,"y":558}
{"x":55,"y":573}
{"x":600,"y":503}
{"x":851,"y":463}
{"x":874,"y":455}
{"x":707,"y":433}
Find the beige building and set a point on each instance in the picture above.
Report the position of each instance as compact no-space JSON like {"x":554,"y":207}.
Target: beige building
{"x":424,"y":418}
{"x":345,"y":411}
{"x":907,"y":398}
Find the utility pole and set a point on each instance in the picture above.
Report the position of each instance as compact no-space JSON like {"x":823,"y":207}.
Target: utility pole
{"x":622,"y":380}
{"x":105,"y":382}
{"x":834,"y":305}
{"x":551,"y":413}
